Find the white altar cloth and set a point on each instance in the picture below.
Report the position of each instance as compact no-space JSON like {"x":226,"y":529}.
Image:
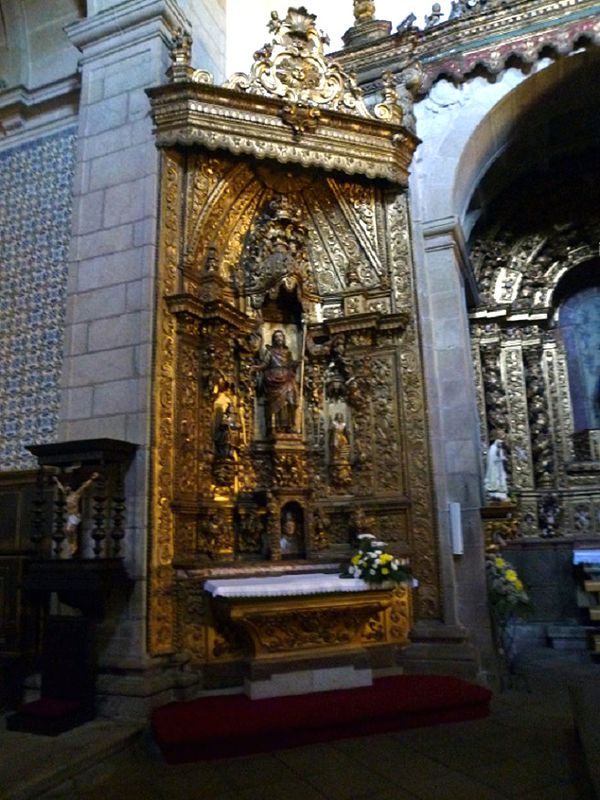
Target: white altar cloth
{"x":284,"y":585}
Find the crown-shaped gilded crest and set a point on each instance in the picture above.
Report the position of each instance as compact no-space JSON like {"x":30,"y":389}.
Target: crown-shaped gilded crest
{"x":294,"y":67}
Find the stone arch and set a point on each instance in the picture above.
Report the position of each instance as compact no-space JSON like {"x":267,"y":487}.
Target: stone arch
{"x":466,"y":127}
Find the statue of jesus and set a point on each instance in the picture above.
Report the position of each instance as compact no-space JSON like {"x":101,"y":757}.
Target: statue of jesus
{"x":72,"y":499}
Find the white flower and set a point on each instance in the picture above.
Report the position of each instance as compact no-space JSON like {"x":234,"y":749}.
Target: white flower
{"x":365,"y":536}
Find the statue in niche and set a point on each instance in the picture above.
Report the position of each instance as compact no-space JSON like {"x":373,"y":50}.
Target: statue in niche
{"x":341,"y":471}
{"x":291,"y":534}
{"x":339,"y":444}
{"x":339,"y":381}
{"x":226,"y":434}
{"x":495,"y":482}
{"x":72,"y":498}
{"x":280,"y":384}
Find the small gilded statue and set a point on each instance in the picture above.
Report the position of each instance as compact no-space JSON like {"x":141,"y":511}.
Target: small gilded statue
{"x":226,"y":434}
{"x":72,"y":498}
{"x":341,"y":473}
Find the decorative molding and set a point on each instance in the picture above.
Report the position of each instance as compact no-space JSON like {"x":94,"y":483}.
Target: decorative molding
{"x":104,"y":32}
{"x":28,"y":113}
{"x":455,"y":48}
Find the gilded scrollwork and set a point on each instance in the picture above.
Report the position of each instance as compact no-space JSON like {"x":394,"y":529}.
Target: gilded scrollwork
{"x":550,"y":513}
{"x":519,"y":445}
{"x":193,"y":618}
{"x":248,"y":249}
{"x":216,"y":533}
{"x":162,"y":607}
{"x":519,"y":278}
{"x":495,"y":394}
{"x":539,"y":418}
{"x":297,"y":631}
{"x":423,"y":546}
{"x":252,"y":530}
{"x":294,"y":67}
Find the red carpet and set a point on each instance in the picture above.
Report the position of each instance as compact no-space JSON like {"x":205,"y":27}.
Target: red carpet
{"x":229,"y":725}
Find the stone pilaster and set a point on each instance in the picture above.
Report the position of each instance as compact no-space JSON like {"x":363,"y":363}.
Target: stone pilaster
{"x":443,"y":283}
{"x":106,"y":376}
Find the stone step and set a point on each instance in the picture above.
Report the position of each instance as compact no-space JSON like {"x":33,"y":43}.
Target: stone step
{"x":591,"y":586}
{"x":595,"y":614}
{"x":568,"y":637}
{"x":596,"y":643}
{"x":60,"y":761}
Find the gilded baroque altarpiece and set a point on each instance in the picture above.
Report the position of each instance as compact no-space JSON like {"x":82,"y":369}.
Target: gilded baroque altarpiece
{"x":289,"y":402}
{"x":528,"y":372}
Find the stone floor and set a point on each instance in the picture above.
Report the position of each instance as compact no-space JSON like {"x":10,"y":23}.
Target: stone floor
{"x":526,"y":749}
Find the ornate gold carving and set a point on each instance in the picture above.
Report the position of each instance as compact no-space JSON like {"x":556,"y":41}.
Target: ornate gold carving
{"x":519,"y":276}
{"x":216,"y":533}
{"x":276,"y":254}
{"x":233,"y":235}
{"x":539,"y":420}
{"x":194,"y":614}
{"x":500,"y":523}
{"x":424,"y":555}
{"x":495,"y":396}
{"x":294,"y":67}
{"x":389,"y":109}
{"x":521,"y":468}
{"x":322,"y":624}
{"x":161,"y":606}
{"x":290,"y":469}
{"x":296,"y":106}
{"x":399,"y":95}
{"x":364,"y":10}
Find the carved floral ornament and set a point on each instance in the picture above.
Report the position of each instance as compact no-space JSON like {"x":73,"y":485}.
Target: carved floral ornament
{"x":294,"y":67}
{"x":295,"y":105}
{"x":486,"y":34}
{"x":521,"y":275}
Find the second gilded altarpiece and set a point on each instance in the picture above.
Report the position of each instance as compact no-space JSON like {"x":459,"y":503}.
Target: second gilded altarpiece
{"x":289,"y":401}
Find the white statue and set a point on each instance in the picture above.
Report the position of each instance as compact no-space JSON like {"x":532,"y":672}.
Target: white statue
{"x":495,"y":482}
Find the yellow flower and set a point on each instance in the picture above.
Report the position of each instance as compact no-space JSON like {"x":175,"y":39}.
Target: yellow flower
{"x":511,"y":575}
{"x":355,"y":559}
{"x":385,"y":557}
{"x":500,"y":562}
{"x":385,"y":571}
{"x":518,"y":585}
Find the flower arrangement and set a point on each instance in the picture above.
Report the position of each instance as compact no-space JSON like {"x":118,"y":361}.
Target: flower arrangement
{"x":508,"y":601}
{"x":373,"y":565}
{"x":505,"y":589}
